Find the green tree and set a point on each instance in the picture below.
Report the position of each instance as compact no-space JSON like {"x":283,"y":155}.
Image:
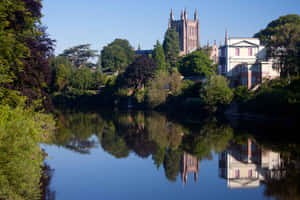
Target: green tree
{"x":216,"y":92}
{"x":24,"y":50}
{"x":82,"y":79}
{"x":282,"y":39}
{"x":62,"y":70}
{"x":117,"y":55}
{"x":175,"y":83}
{"x":158,"y":89}
{"x":171,"y":46}
{"x":79,"y":55}
{"x":159,"y":56}
{"x":196,"y":64}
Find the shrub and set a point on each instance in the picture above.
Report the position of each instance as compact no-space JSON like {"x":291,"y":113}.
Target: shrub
{"x":216,"y":92}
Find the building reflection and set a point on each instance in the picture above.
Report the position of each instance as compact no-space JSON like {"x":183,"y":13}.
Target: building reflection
{"x":189,"y":164}
{"x":245,"y":166}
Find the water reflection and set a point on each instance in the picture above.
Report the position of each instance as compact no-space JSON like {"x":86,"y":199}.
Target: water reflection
{"x":180,"y":148}
{"x":247,"y":165}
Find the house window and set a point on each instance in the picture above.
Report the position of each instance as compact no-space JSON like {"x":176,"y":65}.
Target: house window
{"x":237,"y":173}
{"x":237,"y":52}
{"x":249,"y":51}
{"x":249,"y":173}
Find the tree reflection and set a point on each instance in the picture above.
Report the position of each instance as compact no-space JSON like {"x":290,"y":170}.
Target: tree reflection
{"x":178,"y":147}
{"x":145,"y":134}
{"x":46,"y":192}
{"x":286,"y":184}
{"x":210,"y":136}
{"x":74,"y":131}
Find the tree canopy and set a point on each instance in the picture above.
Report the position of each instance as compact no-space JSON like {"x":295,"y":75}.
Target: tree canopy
{"x":171,"y":46}
{"x":79,"y":55}
{"x":24,"y":51}
{"x":282,"y":39}
{"x":196,"y":64}
{"x":140,"y":71}
{"x":117,"y":55}
{"x":216,"y":92}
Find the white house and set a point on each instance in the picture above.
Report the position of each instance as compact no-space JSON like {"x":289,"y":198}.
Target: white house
{"x":244,"y":62}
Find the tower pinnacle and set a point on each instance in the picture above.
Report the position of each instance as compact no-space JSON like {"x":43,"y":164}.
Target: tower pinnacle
{"x":196,"y":15}
{"x":226,"y":37}
{"x":185,"y":14}
{"x":171,"y":15}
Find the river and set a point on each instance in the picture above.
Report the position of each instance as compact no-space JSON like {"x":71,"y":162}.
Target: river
{"x":137,"y":155}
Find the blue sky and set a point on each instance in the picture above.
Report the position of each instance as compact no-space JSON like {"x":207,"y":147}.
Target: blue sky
{"x":98,"y":22}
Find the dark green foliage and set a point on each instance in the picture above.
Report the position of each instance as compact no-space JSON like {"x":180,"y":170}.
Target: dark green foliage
{"x":79,"y":55}
{"x":117,"y":55}
{"x":171,"y":46}
{"x":158,"y":56}
{"x":282,"y":38}
{"x":114,"y":144}
{"x":212,"y":136}
{"x":277,"y":93}
{"x":271,"y":29}
{"x":140,"y":72}
{"x":242,"y":94}
{"x":172,"y":164}
{"x":196,"y":64}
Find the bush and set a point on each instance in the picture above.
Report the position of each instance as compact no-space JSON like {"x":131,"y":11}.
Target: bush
{"x":242,"y":94}
{"x":158,"y":89}
{"x":216,"y":92}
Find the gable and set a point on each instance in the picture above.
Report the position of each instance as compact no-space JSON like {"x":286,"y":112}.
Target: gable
{"x":244,"y":43}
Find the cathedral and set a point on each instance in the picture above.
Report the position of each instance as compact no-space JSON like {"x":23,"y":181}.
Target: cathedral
{"x":189,"y":37}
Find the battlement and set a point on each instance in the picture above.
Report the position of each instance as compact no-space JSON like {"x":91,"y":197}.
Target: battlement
{"x":188,"y":30}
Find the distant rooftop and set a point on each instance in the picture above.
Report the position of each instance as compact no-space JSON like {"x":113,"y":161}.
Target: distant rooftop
{"x":143,"y":52}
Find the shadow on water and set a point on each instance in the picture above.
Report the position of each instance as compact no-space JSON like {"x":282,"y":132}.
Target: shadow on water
{"x":248,"y":157}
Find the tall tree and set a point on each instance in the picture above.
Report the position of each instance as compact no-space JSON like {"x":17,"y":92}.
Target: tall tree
{"x":117,"y":55}
{"x":159,"y":56}
{"x":62,"y":70}
{"x":196,"y":64}
{"x":171,"y":46}
{"x":140,"y":72}
{"x":24,"y":51}
{"x":282,"y":39}
{"x":79,"y":55}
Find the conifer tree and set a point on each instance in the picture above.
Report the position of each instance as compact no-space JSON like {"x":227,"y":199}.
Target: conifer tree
{"x":159,"y":56}
{"x":171,"y":46}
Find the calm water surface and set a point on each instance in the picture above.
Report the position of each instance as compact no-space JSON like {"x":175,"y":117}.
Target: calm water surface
{"x":150,"y":156}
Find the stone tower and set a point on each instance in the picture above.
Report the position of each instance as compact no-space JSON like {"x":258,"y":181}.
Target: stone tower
{"x":189,"y":37}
